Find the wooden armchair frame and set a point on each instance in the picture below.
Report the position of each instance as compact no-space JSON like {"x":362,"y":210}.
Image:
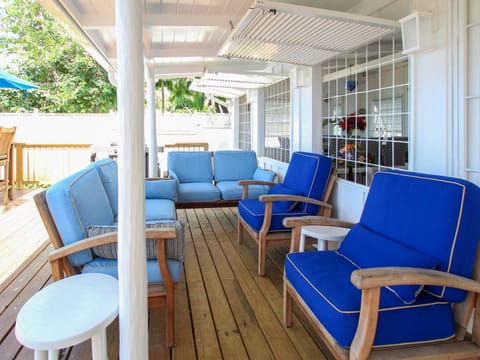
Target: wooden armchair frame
{"x":264,"y":238}
{"x":6,"y":140}
{"x":159,"y":295}
{"x":463,"y":346}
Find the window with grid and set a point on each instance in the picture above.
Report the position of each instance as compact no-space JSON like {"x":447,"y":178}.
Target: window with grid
{"x":245,"y":124}
{"x":277,"y":121}
{"x":366,"y":111}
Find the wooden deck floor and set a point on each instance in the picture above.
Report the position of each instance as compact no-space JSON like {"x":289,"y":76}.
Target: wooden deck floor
{"x":223,"y":309}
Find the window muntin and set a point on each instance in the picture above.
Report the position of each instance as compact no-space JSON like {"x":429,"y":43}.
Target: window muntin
{"x":365,"y":110}
{"x":277,"y":121}
{"x":245,"y":124}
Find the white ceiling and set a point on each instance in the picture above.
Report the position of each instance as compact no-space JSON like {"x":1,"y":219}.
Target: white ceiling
{"x":195,"y":37}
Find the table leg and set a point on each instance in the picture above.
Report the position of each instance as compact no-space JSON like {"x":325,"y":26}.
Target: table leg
{"x":41,"y":355}
{"x":99,"y":345}
{"x":53,"y":354}
{"x":302,"y":243}
{"x":322,"y":245}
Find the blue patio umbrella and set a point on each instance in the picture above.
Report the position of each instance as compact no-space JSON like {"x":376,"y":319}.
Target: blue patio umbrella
{"x":8,"y":81}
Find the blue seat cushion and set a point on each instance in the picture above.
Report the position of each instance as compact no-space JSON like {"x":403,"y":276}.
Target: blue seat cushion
{"x":161,"y":189}
{"x":159,"y":210}
{"x":381,"y":252}
{"x":231,"y":165}
{"x":284,"y":206}
{"x":322,"y":279}
{"x":252,"y":211}
{"x":110,"y":267}
{"x":230,"y":190}
{"x":191,"y":166}
{"x":196,"y":192}
{"x":431,"y":214}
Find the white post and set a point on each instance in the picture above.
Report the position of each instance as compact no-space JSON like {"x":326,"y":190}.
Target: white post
{"x":152,"y":143}
{"x":131,"y":172}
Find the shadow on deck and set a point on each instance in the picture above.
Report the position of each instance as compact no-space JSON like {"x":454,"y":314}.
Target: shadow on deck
{"x":223,"y":309}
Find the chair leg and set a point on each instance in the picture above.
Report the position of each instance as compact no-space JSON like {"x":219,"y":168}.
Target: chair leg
{"x":262,"y":254}
{"x":240,"y":231}
{"x":287,"y":305}
{"x":5,"y":185}
{"x":170,"y":304}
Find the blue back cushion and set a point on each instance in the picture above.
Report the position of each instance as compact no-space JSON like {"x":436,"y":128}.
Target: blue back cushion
{"x":230,"y":165}
{"x":431,"y":214}
{"x":108,"y":171}
{"x":308,"y":173}
{"x":191,"y":166}
{"x":75,"y":203}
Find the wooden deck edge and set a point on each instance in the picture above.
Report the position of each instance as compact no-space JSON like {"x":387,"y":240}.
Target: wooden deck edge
{"x":206,"y":204}
{"x":24,"y":265}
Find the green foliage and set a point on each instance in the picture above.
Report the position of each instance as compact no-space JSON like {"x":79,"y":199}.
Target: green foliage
{"x":181,"y":99}
{"x":42,"y":51}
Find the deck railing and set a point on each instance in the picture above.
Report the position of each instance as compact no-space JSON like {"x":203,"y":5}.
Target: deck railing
{"x":37,"y":164}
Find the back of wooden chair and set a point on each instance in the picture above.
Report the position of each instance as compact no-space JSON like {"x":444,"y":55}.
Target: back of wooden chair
{"x":6,"y":140}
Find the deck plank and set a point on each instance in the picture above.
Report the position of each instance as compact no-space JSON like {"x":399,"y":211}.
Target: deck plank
{"x":223,"y":309}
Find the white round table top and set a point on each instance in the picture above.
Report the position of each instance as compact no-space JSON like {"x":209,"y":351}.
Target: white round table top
{"x":68,"y":312}
{"x":320,"y":232}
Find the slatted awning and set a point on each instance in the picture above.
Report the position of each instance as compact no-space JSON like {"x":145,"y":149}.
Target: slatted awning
{"x":293,"y":34}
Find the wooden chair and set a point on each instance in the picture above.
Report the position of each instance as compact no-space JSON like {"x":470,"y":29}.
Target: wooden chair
{"x":391,"y":290}
{"x":6,"y":140}
{"x":159,"y":294}
{"x":306,"y":190}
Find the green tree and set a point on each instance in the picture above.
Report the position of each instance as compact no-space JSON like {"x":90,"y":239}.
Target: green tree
{"x":40,"y":50}
{"x":181,"y":98}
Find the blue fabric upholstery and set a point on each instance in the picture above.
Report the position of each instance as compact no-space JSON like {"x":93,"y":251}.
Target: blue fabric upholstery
{"x":409,"y":219}
{"x":159,"y":210}
{"x":191,"y":166}
{"x":196,"y":192}
{"x":322,"y":278}
{"x":161,"y":189}
{"x":108,"y":171}
{"x":230,"y":166}
{"x":109,"y":266}
{"x":75,"y":203}
{"x":284,"y":206}
{"x":307,"y":174}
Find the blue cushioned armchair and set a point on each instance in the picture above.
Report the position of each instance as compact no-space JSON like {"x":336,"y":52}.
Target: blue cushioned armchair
{"x":402,"y":276}
{"x":305,"y":190}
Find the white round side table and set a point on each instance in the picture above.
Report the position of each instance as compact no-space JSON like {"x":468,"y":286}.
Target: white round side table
{"x":322,"y":234}
{"x":68,"y":312}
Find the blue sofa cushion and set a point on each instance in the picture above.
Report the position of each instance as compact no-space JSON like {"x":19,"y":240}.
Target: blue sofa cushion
{"x":308,"y":173}
{"x":175,"y":247}
{"x":322,"y":278}
{"x":75,"y":203}
{"x":252,"y":211}
{"x":110,"y":267}
{"x":384,"y":252}
{"x":230,"y":190}
{"x":196,"y":192}
{"x":159,"y":210}
{"x":191,"y":166}
{"x":108,"y":171}
{"x":231,"y":165}
{"x":284,"y":206}
{"x":409,"y":216}
{"x":161,"y":189}
{"x":263,"y":175}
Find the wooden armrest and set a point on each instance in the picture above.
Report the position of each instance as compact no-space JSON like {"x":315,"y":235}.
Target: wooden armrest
{"x":390,"y":276}
{"x":280,"y":197}
{"x":371,"y":280}
{"x":255,"y":182}
{"x":88,"y":243}
{"x":316,"y":220}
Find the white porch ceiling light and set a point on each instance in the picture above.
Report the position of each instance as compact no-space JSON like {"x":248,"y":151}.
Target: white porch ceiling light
{"x":300,"y":35}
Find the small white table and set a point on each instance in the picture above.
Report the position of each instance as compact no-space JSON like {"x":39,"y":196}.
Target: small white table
{"x":68,"y":312}
{"x":322,"y":234}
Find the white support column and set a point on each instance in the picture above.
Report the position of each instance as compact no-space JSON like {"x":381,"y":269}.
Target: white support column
{"x":131,"y":171}
{"x":152,"y":142}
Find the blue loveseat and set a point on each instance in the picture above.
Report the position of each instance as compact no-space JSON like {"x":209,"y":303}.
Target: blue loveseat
{"x":206,"y":179}
{"x":86,"y":201}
